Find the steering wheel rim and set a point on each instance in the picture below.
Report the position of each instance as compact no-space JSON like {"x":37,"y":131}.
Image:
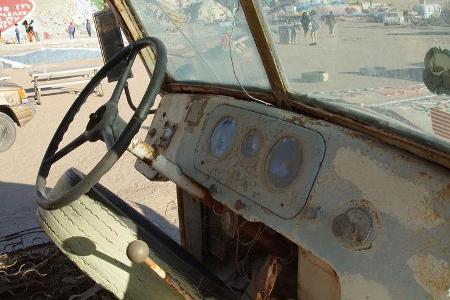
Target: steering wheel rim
{"x":104,"y":124}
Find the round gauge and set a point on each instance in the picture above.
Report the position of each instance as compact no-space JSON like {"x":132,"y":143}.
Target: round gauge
{"x":284,"y":162}
{"x":222,"y":137}
{"x":251,"y":143}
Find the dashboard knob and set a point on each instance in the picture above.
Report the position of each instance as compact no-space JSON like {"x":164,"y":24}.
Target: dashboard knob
{"x":354,"y":228}
{"x":342,"y":226}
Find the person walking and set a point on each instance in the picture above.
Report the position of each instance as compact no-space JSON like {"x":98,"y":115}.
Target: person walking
{"x":305,"y":20}
{"x":315,"y":26}
{"x":16,"y":30}
{"x":71,"y":30}
{"x":331,"y":22}
{"x":88,"y":27}
{"x":293,"y":32}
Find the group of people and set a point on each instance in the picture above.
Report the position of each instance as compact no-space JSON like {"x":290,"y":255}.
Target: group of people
{"x":311,"y":22}
{"x":71,"y":29}
{"x":31,"y":34}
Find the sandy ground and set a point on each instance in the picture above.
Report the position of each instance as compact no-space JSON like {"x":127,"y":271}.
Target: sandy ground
{"x":19,"y":165}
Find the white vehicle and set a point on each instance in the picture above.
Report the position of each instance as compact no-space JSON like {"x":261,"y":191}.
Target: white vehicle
{"x":394,"y":18}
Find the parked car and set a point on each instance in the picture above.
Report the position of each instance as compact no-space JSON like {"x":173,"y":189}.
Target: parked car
{"x":394,"y":18}
{"x":15,"y":110}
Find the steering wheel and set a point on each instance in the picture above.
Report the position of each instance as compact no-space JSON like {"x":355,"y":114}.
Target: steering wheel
{"x":105,"y":124}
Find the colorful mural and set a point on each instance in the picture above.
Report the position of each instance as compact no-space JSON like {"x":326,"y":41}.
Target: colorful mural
{"x":50,"y":17}
{"x":14,"y":11}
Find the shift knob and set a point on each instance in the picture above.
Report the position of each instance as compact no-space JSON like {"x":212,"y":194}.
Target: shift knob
{"x":138,"y":251}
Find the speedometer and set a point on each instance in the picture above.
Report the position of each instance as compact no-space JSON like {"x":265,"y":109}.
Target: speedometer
{"x":284,"y":162}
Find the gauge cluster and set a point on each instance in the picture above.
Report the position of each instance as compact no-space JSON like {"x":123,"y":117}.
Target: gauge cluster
{"x":262,"y":158}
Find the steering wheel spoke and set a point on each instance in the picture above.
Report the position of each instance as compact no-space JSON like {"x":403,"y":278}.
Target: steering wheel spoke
{"x":107,"y":137}
{"x":68,"y":148}
{"x":123,"y":79}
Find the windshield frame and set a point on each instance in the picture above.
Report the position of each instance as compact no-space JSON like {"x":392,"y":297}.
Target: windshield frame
{"x":392,"y":133}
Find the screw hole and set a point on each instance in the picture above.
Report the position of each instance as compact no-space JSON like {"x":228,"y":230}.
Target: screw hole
{"x":281,"y":204}
{"x":164,"y":114}
{"x":202,"y":162}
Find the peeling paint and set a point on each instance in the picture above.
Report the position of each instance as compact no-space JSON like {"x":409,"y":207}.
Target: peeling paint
{"x":432,"y":274}
{"x":356,"y":287}
{"x":444,"y":194}
{"x":405,"y":200}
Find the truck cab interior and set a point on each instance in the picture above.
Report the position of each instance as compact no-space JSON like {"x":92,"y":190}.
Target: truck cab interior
{"x":289,"y":185}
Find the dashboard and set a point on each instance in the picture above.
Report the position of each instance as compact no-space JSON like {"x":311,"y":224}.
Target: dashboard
{"x":364,"y":207}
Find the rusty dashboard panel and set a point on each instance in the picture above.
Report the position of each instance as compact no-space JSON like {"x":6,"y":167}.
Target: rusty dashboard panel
{"x":378,"y":215}
{"x":264,"y":159}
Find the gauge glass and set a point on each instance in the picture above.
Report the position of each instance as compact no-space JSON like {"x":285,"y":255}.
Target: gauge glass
{"x":222,"y":137}
{"x":251,"y":144}
{"x":284,"y":162}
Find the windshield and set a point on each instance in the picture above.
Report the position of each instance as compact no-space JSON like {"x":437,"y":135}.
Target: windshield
{"x":367,"y":57}
{"x":206,"y":43}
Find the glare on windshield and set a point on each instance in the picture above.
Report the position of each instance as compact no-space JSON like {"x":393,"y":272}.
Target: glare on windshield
{"x":207,"y":41}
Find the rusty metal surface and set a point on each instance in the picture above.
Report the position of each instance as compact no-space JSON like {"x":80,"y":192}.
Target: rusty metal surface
{"x":149,"y":155}
{"x":264,"y":277}
{"x":316,"y":278}
{"x":406,"y":197}
{"x":218,"y":90}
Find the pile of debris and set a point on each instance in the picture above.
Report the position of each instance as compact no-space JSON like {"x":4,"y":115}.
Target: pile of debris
{"x":44,"y":272}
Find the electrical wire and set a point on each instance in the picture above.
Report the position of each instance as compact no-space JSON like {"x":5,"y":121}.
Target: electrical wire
{"x":250,"y":244}
{"x":230,"y":43}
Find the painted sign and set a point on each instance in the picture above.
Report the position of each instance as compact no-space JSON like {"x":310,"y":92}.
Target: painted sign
{"x":14,"y":11}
